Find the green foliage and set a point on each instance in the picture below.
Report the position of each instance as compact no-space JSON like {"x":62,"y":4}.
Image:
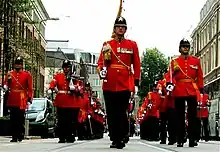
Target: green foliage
{"x":21,"y":5}
{"x":154,"y":64}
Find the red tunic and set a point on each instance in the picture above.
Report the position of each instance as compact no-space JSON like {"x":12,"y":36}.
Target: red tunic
{"x":63,"y":98}
{"x":202,"y":110}
{"x":119,"y":76}
{"x":187,"y":76}
{"x":20,"y":88}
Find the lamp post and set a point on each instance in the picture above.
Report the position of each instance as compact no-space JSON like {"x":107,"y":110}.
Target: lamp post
{"x":41,"y":32}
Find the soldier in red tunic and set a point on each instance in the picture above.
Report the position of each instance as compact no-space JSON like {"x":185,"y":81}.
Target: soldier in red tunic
{"x":114,"y":67}
{"x":20,"y":86}
{"x":203,"y":117}
{"x":152,"y":104}
{"x":67,"y":102}
{"x":186,"y":74}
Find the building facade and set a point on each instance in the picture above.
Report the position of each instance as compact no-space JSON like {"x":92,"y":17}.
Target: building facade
{"x":94,"y":79}
{"x":24,"y":36}
{"x":206,"y":46}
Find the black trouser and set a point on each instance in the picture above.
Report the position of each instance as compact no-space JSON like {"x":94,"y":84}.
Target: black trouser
{"x":163,"y":126}
{"x":153,"y":128}
{"x":81,"y":131}
{"x":17,"y":119}
{"x":67,"y":120}
{"x":180,"y":114}
{"x":143,"y":130}
{"x":116,"y":107}
{"x":171,"y":124}
{"x":98,"y":129}
{"x":204,"y":127}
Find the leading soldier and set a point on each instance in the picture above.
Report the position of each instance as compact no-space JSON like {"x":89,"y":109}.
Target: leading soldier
{"x":19,"y":83}
{"x":186,"y":73}
{"x":114,"y":67}
{"x":67,"y":102}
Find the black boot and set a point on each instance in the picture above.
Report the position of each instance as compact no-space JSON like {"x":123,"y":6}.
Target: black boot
{"x":70,"y":139}
{"x":163,"y":142}
{"x":179,"y":144}
{"x":171,"y":142}
{"x":113,"y":145}
{"x":61,"y":140}
{"x":14,"y":140}
{"x":120,"y":145}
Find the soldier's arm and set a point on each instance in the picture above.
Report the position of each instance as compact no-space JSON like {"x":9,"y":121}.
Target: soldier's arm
{"x":53,"y":83}
{"x":6,"y":81}
{"x":169,"y":76}
{"x":100,"y":61}
{"x":200,"y":80}
{"x":30,"y":86}
{"x":136,"y":64}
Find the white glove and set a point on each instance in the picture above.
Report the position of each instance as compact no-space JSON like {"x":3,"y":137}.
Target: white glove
{"x":89,"y":116}
{"x":170,"y":87}
{"x":5,"y":87}
{"x":103,"y":73}
{"x":106,"y":48}
{"x":149,"y":105}
{"x":160,"y":92}
{"x":136,"y":90}
{"x":49,"y":91}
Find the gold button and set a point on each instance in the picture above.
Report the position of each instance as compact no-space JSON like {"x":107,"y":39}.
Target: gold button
{"x":117,"y":70}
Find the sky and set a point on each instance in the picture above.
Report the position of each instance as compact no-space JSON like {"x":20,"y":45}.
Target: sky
{"x":151,"y":23}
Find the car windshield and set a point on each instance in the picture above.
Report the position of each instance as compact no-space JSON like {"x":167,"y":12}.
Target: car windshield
{"x":37,"y":105}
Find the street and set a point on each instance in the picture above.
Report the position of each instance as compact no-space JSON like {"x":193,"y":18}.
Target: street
{"x":102,"y":145}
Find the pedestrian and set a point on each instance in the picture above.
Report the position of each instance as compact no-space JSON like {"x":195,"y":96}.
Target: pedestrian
{"x":119,"y":79}
{"x":186,"y":73}
{"x":67,"y":102}
{"x":19,"y":83}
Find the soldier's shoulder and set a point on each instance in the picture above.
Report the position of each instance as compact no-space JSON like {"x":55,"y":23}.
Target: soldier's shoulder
{"x":194,"y":57}
{"x":108,"y":41}
{"x":131,"y":41}
{"x":59,"y":73}
{"x":27,"y":72}
{"x":11,"y":71}
{"x":175,"y":58}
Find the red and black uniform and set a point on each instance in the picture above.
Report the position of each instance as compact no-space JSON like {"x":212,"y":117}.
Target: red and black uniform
{"x":98,"y":118}
{"x":203,"y":117}
{"x":188,"y":79}
{"x":167,"y":114}
{"x":149,"y":128}
{"x":163,"y":111}
{"x":67,"y":104}
{"x":117,"y":56}
{"x":20,"y":87}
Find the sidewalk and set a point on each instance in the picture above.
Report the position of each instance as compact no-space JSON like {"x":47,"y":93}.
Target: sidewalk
{"x":8,"y":138}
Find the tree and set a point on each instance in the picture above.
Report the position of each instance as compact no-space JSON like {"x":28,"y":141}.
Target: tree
{"x":153,"y":65}
{"x":13,"y":13}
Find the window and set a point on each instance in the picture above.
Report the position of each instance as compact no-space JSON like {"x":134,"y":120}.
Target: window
{"x":96,"y":82}
{"x":218,"y":53}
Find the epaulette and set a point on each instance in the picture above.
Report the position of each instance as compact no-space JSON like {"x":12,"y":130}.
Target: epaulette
{"x":174,"y":58}
{"x":193,"y":56}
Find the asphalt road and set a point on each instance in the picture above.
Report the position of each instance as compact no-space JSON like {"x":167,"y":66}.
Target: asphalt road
{"x":102,"y":145}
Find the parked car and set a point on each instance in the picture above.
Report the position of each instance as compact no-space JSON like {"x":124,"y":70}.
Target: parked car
{"x":42,"y":118}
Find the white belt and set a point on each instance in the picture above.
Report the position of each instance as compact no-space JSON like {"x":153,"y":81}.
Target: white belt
{"x":64,"y":91}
